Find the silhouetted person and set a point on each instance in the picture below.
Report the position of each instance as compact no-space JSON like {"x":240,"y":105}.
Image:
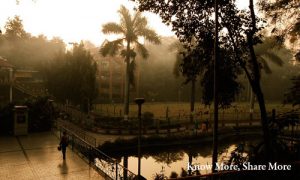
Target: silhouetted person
{"x":63,"y":144}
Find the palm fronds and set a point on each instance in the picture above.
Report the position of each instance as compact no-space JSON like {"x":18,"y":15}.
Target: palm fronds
{"x":142,"y":50}
{"x":149,"y":35}
{"x":111,"y":47}
{"x":112,"y":28}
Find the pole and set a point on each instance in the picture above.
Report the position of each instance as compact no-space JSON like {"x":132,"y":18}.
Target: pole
{"x":10,"y":83}
{"x":125,"y":164}
{"x":216,"y":102}
{"x":139,"y":102}
{"x":139,"y":143}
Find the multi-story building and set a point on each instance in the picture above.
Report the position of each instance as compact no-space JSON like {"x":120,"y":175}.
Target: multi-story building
{"x":111,"y":78}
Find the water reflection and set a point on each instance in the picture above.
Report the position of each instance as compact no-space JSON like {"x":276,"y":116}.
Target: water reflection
{"x":168,"y":157}
{"x":168,"y":162}
{"x":175,"y":160}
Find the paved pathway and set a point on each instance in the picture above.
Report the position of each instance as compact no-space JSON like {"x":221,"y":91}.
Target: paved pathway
{"x":36,"y":157}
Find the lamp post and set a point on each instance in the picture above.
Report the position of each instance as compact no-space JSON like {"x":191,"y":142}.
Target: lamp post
{"x":10,"y":84}
{"x":139,"y":102}
{"x":216,"y":91}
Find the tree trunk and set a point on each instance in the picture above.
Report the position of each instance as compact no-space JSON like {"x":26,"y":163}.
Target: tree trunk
{"x":122,"y":83}
{"x":251,"y":111}
{"x":110,"y":80}
{"x":126,"y":98}
{"x":264,"y":119}
{"x":216,"y":102}
{"x":256,"y":83}
{"x":138,"y":77}
{"x":192,"y":108}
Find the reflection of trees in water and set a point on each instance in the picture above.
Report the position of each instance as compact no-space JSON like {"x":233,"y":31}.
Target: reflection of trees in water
{"x":168,"y":157}
{"x":170,"y":154}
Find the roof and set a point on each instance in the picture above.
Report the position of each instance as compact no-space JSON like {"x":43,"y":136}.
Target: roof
{"x":4,"y":63}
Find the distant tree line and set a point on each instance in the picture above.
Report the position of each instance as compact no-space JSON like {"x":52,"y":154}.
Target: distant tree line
{"x":67,"y":75}
{"x":24,"y":50}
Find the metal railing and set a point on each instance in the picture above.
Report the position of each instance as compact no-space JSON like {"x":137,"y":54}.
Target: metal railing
{"x":79,"y":132}
{"x":105,"y":165}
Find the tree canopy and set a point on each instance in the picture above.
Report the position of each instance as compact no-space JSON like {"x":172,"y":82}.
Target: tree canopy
{"x":284,"y":16}
{"x":237,"y":34}
{"x":72,"y":76}
{"x":26,"y":51}
{"x":131,"y":28}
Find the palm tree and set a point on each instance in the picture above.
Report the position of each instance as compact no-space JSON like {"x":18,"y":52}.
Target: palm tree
{"x":131,"y":28}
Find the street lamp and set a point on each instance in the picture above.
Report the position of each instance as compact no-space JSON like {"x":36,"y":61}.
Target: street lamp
{"x":139,"y":102}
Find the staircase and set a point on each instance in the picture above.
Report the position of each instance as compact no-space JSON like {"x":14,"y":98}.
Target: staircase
{"x":26,"y":89}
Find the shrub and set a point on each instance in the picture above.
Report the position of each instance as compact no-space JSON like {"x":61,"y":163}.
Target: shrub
{"x":6,"y":119}
{"x":173,"y":175}
{"x":40,"y":114}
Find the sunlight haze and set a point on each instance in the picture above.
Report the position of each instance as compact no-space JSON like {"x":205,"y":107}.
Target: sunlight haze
{"x":73,"y":20}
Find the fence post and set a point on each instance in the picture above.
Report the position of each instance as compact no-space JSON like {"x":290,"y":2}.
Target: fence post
{"x":116,"y":170}
{"x":237,"y":118}
{"x":114,"y":110}
{"x":168,"y":120}
{"x":223,"y":118}
{"x":157,"y":126}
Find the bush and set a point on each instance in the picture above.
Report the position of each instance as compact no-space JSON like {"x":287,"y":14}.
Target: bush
{"x":40,"y":114}
{"x":6,"y":119}
{"x":173,"y":175}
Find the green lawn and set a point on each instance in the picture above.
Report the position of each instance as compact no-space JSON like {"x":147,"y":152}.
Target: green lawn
{"x":180,"y":110}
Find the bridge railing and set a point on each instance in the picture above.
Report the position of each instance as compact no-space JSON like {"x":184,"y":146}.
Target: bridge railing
{"x":104,"y":164}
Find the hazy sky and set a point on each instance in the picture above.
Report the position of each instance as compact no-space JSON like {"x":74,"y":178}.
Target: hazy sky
{"x":72,"y":20}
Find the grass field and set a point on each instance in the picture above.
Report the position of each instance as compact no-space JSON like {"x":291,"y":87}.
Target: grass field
{"x":159,"y":109}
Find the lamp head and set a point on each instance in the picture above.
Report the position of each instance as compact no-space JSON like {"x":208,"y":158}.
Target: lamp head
{"x":139,"y":100}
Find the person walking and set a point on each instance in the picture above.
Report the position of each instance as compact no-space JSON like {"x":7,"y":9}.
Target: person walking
{"x":64,"y":144}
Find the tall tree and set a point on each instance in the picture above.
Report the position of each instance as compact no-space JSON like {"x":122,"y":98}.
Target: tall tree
{"x":14,"y":29}
{"x":191,"y":75}
{"x":239,"y":35}
{"x":72,"y":76}
{"x":266,"y":52}
{"x":131,"y":27}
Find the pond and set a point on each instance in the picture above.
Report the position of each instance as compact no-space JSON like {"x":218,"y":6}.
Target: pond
{"x":165,"y":161}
